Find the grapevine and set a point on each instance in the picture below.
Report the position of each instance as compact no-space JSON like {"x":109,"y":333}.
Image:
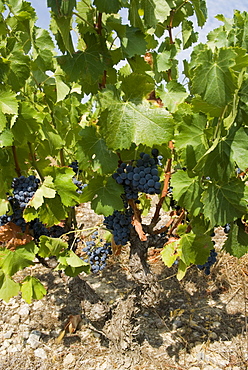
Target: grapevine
{"x":105,"y":120}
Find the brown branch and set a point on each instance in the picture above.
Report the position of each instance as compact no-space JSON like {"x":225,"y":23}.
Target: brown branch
{"x":136,"y":222}
{"x":163,"y":194}
{"x":99,"y":24}
{"x":17,"y":167}
{"x":178,"y":221}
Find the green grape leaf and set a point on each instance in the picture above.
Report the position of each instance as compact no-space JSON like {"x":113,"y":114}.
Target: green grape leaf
{"x":175,"y":95}
{"x":43,"y":40}
{"x":239,"y":147}
{"x":8,"y":102}
{"x":217,"y":163}
{"x":212,"y":78}
{"x":136,"y":86}
{"x":226,"y":202}
{"x":32,"y":288}
{"x":200,"y":105}
{"x":171,"y":252}
{"x":187,"y":191}
{"x":6,"y":138}
{"x":93,"y":150}
{"x":52,"y":211}
{"x":124,"y":122}
{"x":16,"y":260}
{"x":188,"y":34}
{"x":104,"y":194}
{"x":19,"y":68}
{"x":90,"y":60}
{"x":8,"y":287}
{"x":163,"y":61}
{"x":4,"y":206}
{"x":182,"y":269}
{"x":61,"y":88}
{"x":133,"y":43}
{"x":3,"y":121}
{"x":237,"y":241}
{"x":51,"y":246}
{"x":200,"y":9}
{"x":195,"y":247}
{"x":62,"y":179}
{"x":72,"y":264}
{"x":46,"y":190}
{"x":155,"y":11}
{"x":64,"y":27}
{"x":106,"y":6}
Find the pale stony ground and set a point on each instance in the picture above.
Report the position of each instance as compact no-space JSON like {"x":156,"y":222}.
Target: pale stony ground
{"x":201,"y":323}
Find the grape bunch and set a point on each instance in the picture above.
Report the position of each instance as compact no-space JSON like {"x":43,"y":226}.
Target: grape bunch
{"x":97,"y":253}
{"x":119,"y":223}
{"x":142,"y":177}
{"x":211,"y":260}
{"x":24,"y":190}
{"x":79,"y":184}
{"x":74,"y":166}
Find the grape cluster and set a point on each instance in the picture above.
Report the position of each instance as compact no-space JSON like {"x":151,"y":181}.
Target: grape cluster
{"x":24,"y":190}
{"x":74,"y":166}
{"x":79,"y":184}
{"x":142,"y":177}
{"x":119,"y":223}
{"x":211,"y":260}
{"x":97,"y":253}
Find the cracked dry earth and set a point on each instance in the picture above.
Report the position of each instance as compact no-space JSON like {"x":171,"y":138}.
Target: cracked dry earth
{"x":201,"y":322}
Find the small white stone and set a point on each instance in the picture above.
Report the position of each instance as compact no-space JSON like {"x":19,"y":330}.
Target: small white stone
{"x":8,"y":334}
{"x":14,"y":348}
{"x":69,"y":359}
{"x":41,"y":353}
{"x":24,"y":311}
{"x":33,"y":339}
{"x":14,"y":319}
{"x":6,"y":344}
{"x":37,"y":305}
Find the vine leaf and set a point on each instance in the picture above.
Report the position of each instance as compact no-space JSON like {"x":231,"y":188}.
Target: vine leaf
{"x":21,"y":257}
{"x":8,"y":287}
{"x":226,"y":202}
{"x":104,"y":194}
{"x":8,"y":102}
{"x":237,"y":241}
{"x":122,"y":123}
{"x":155,"y":11}
{"x":175,"y":95}
{"x":32,"y":288}
{"x":93,"y":150}
{"x":51,"y":246}
{"x":213,"y":78}
{"x":46,"y":190}
{"x":187,"y":192}
{"x":62,"y":179}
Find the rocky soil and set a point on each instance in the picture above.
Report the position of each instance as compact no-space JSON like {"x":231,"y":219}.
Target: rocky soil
{"x":201,"y":322}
